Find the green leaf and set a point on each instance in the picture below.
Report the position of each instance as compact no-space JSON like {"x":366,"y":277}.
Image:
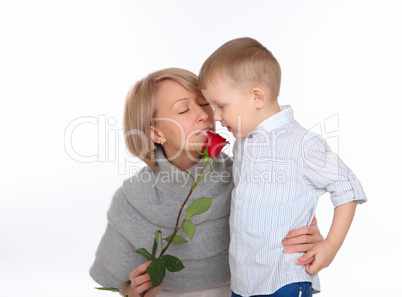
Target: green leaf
{"x":173,"y":264}
{"x":198,"y":151}
{"x":198,"y":207}
{"x":112,"y":290}
{"x":176,"y":240}
{"x":145,"y":253}
{"x":155,"y":247}
{"x":188,"y":228}
{"x":157,"y":272}
{"x":210,"y":164}
{"x":109,"y":289}
{"x":220,"y":153}
{"x":190,"y":175}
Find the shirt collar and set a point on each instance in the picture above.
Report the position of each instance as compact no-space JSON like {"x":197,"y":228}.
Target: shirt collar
{"x":277,"y":120}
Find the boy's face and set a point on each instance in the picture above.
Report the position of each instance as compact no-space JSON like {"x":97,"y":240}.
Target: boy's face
{"x":233,"y":107}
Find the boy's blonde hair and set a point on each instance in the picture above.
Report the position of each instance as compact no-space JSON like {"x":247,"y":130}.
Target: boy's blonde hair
{"x":246,"y":61}
{"x":140,"y":108}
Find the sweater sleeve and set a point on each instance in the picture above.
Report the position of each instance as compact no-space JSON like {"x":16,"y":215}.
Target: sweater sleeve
{"x":109,"y":268}
{"x":115,"y":257}
{"x":324,"y":169}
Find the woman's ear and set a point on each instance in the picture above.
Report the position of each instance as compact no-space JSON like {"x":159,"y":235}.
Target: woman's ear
{"x":259,"y":97}
{"x":156,"y":135}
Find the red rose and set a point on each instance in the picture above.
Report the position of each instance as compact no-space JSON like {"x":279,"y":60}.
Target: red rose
{"x":215,"y":144}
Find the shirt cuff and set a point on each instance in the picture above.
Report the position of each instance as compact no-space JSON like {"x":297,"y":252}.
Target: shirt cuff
{"x":348,"y":191}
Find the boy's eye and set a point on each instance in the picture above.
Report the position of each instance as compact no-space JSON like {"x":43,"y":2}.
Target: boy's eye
{"x":184,"y":111}
{"x":205,"y":104}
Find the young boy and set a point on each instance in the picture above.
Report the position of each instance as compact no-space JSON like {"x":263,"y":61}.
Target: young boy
{"x":280,"y":170}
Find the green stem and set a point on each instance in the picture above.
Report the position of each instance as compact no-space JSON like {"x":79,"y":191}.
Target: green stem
{"x":145,"y":292}
{"x":161,"y":242}
{"x":177,"y":228}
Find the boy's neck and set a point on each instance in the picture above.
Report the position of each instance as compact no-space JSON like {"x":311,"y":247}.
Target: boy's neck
{"x":270,"y":108}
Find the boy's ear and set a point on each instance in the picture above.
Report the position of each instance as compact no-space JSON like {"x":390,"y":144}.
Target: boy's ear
{"x":156,"y":135}
{"x":259,"y":97}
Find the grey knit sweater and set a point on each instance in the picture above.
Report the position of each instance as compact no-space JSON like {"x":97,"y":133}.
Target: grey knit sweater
{"x":150,"y":201}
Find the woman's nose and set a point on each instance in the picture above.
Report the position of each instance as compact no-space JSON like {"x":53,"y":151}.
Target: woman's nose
{"x":217,"y":116}
{"x":202,"y":115}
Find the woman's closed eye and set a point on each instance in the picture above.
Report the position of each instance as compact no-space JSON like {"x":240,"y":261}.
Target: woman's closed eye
{"x":200,"y":104}
{"x":184,"y":111}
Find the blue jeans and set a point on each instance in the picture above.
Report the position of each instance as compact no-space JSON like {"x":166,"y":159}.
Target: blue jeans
{"x":303,"y":289}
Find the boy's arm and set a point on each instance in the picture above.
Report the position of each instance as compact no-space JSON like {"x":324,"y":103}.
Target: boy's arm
{"x":323,"y":169}
{"x":324,"y":252}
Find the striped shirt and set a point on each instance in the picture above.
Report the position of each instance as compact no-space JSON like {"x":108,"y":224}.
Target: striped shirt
{"x":280,"y":170}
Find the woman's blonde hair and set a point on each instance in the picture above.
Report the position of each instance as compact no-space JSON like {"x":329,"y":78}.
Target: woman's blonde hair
{"x":140,"y":108}
{"x":246,"y":62}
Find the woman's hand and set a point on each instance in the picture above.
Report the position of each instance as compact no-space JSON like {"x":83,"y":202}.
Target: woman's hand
{"x":302,"y":240}
{"x":140,"y":281}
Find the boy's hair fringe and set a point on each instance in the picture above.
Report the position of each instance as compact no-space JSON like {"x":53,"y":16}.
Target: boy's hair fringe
{"x":246,"y":61}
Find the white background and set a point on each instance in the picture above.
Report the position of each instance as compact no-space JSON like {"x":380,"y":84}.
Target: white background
{"x":65,"y":63}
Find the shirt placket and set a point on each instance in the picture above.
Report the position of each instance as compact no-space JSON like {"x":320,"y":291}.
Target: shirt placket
{"x":242,"y":198}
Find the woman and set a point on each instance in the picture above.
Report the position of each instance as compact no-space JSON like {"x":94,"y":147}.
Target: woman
{"x":166,"y":119}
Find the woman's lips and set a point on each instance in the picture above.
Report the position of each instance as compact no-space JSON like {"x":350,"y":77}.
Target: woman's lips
{"x":204,"y":132}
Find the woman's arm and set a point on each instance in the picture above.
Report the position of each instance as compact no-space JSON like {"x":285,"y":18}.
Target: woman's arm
{"x":302,"y":240}
{"x":140,"y":281}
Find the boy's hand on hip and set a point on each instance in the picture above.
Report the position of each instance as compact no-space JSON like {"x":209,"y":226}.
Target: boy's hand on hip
{"x":323,"y":254}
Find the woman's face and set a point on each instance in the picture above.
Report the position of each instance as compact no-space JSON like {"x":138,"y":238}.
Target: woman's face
{"x":181,"y":119}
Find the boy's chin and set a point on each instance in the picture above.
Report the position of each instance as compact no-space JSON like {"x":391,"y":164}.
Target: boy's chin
{"x":237,"y":134}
